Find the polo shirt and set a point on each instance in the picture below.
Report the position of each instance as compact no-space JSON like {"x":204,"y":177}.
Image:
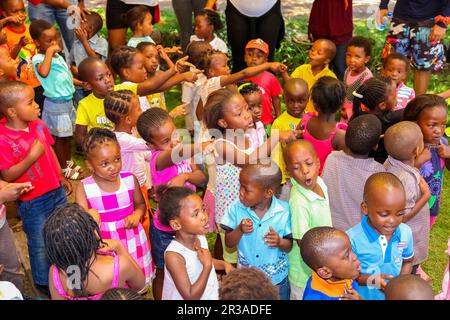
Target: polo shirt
{"x":309,"y":210}
{"x":252,"y":249}
{"x":78,"y":52}
{"x":377,"y":255}
{"x":321,"y":289}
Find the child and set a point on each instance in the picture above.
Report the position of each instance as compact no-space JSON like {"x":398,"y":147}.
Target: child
{"x":430,"y":113}
{"x":256,"y":53}
{"x":206,"y":22}
{"x":260,"y":223}
{"x":396,"y":67}
{"x":359,"y":50}
{"x":309,"y":206}
{"x":114,"y":197}
{"x":57,"y":81}
{"x":123,"y":109}
{"x":347,"y":171}
{"x":320,"y":55}
{"x":27,"y":155}
{"x":381,"y":242}
{"x":322,"y":130}
{"x":139,"y":20}
{"x":328,"y":252}
{"x":8,"y":67}
{"x":408,"y":287}
{"x":170,"y":164}
{"x":296,"y":97}
{"x":73,"y":239}
{"x":250,"y":92}
{"x":404,"y":143}
{"x":247,"y":284}
{"x":190,"y":271}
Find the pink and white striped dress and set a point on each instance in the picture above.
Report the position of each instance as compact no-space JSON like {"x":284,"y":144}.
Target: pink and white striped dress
{"x":113,"y":209}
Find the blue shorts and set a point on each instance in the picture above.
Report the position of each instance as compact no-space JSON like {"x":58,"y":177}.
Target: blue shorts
{"x":59,"y":116}
{"x":160,"y":240}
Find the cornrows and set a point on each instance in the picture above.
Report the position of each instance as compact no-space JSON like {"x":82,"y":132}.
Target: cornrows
{"x":96,"y":137}
{"x":118,"y":104}
{"x":150,"y":120}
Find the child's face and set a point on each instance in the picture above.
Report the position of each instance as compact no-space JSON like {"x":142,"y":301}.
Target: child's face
{"x":296,"y":101}
{"x":203,"y":29}
{"x":319,"y":55}
{"x":151,"y":59}
{"x":8,"y":66}
{"x":193,"y":218}
{"x":136,"y":72}
{"x":236,"y":114}
{"x":254,"y":105}
{"x":397,"y":70}
{"x":254,"y":57}
{"x":47,"y":39}
{"x":303,"y":165}
{"x":356,"y":59}
{"x":26,"y":109}
{"x":146,"y":25}
{"x":384,"y":207}
{"x":432,"y":121}
{"x":219,"y":66}
{"x":100,"y":80}
{"x":135,"y":111}
{"x":105,"y":161}
{"x":15,"y":8}
{"x":251,"y":193}
{"x":165,"y":137}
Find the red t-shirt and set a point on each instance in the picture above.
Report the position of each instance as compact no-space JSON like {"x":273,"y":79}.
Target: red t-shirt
{"x":35,"y":2}
{"x":14,"y":147}
{"x":268,"y":87}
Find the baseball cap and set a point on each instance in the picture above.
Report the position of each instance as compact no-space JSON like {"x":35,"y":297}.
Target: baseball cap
{"x":258,"y":44}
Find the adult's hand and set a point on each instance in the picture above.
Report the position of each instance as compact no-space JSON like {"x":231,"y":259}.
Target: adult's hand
{"x":383,"y":13}
{"x":437,"y":33}
{"x":64,"y":4}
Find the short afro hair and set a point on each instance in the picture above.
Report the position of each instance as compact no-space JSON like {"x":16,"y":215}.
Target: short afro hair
{"x":313,"y":246}
{"x":363,"y":134}
{"x":384,"y":178}
{"x":37,"y":27}
{"x":402,"y":139}
{"x":361,"y":42}
{"x":267,"y":175}
{"x":11,"y":92}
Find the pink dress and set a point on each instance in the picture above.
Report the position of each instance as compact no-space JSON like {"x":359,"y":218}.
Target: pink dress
{"x":113,"y":209}
{"x":323,"y":147}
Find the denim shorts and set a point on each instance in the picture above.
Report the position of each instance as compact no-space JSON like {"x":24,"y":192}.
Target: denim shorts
{"x":284,"y":289}
{"x":59,"y":116}
{"x":160,"y":241}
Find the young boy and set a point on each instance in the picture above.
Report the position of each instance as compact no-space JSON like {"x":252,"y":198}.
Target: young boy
{"x":320,"y":55}
{"x":259,"y":225}
{"x":396,"y":67}
{"x":256,"y":53}
{"x":26,"y":155}
{"x":296,"y":96}
{"x":382,"y":243}
{"x":408,"y":287}
{"x":309,"y":206}
{"x":328,"y":252}
{"x":345,"y":172}
{"x":404,"y":143}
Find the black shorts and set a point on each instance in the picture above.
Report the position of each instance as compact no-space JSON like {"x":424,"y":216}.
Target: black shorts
{"x":115,"y":9}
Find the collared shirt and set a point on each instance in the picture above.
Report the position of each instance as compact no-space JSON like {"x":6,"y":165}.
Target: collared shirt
{"x":377,"y":255}
{"x":309,"y":210}
{"x":305,"y":72}
{"x":321,"y":289}
{"x":252,"y":249}
{"x":97,"y":43}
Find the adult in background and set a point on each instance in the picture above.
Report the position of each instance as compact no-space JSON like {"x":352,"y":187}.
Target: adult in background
{"x":417,"y":31}
{"x":251,"y":19}
{"x":332,"y":20}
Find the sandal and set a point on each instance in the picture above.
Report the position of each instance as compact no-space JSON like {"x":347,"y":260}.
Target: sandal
{"x":72,"y":173}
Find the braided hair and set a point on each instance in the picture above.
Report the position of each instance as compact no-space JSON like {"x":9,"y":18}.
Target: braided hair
{"x":213,"y":18}
{"x":150,"y":120}
{"x":118,"y":104}
{"x":96,"y":137}
{"x":72,"y":238}
{"x":371,"y":93}
{"x":415,"y":107}
{"x":248,"y":88}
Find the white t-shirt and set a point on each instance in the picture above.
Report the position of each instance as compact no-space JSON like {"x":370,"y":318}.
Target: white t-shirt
{"x":253,"y":8}
{"x":193,"y":269}
{"x":190,"y":92}
{"x":216,"y":43}
{"x":8,"y":291}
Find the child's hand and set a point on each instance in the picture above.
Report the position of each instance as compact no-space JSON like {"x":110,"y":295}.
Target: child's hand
{"x":350,"y":294}
{"x":178,"y":111}
{"x":16,"y":19}
{"x":228,"y":267}
{"x":246,"y":226}
{"x":37,"y":150}
{"x":443,"y":151}
{"x":191,"y":76}
{"x":11,"y":191}
{"x":182,"y":65}
{"x":178,"y":181}
{"x":132,"y":221}
{"x":203,"y":255}
{"x":53,"y":49}
{"x":163,"y":54}
{"x":379,"y":280}
{"x":67,"y":186}
{"x":173,"y":50}
{"x":272,"y":238}
{"x":81,"y":34}
{"x":423,"y":157}
{"x":23,"y":41}
{"x":288,"y":136}
{"x":277,"y":67}
{"x":423,"y":186}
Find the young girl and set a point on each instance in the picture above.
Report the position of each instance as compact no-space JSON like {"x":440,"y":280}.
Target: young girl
{"x":123,"y":109}
{"x":116,"y":197}
{"x":190,"y":271}
{"x":139,"y":20}
{"x":206,"y":23}
{"x":169,"y":164}
{"x":430,"y":113}
{"x":73,"y":242}
{"x":322,"y":130}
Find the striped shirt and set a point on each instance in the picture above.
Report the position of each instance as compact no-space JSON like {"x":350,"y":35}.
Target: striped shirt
{"x":2,"y":215}
{"x":404,"y":95}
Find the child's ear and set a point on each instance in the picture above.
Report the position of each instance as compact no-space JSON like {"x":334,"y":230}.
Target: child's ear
{"x":126,"y":73}
{"x":10,"y":112}
{"x":324,"y":273}
{"x":382,"y":106}
{"x":88,"y":165}
{"x":367,"y":59}
{"x":222,"y":123}
{"x":364,"y":208}
{"x":87,"y":86}
{"x":268,"y":193}
{"x":175,"y":225}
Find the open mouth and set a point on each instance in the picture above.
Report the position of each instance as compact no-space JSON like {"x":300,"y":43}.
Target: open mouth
{"x":309,"y":182}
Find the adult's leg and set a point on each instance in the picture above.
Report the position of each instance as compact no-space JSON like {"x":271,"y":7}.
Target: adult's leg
{"x":183,"y":10}
{"x":62,"y":19}
{"x":339,"y":64}
{"x":117,"y":30}
{"x":9,"y":258}
{"x":421,"y":81}
{"x":270,"y":28}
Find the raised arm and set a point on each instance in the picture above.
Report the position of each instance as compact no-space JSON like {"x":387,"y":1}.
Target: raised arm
{"x":250,"y":72}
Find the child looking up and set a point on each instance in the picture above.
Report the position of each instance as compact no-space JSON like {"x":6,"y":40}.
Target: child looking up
{"x":26,"y":155}
{"x":320,"y":55}
{"x":261,"y":223}
{"x":381,"y":242}
{"x":396,"y":67}
{"x":296,"y":97}
{"x":206,"y":23}
{"x":190,"y":271}
{"x":430,"y":113}
{"x":139,"y":20}
{"x":73,"y":238}
{"x":114,"y":197}
{"x":404,"y":143}
{"x":309,"y":205}
{"x":8,"y":66}
{"x":328,"y":252}
{"x":322,"y":130}
{"x":408,"y":287}
{"x":251,"y":94}
{"x":347,"y":171}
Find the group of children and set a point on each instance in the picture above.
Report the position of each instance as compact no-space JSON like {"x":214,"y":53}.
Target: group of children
{"x":330,"y":199}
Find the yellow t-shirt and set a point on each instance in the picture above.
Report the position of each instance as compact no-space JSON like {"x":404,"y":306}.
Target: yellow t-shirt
{"x":157,"y":100}
{"x":284,"y":122}
{"x":91,"y":110}
{"x":304,"y":72}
